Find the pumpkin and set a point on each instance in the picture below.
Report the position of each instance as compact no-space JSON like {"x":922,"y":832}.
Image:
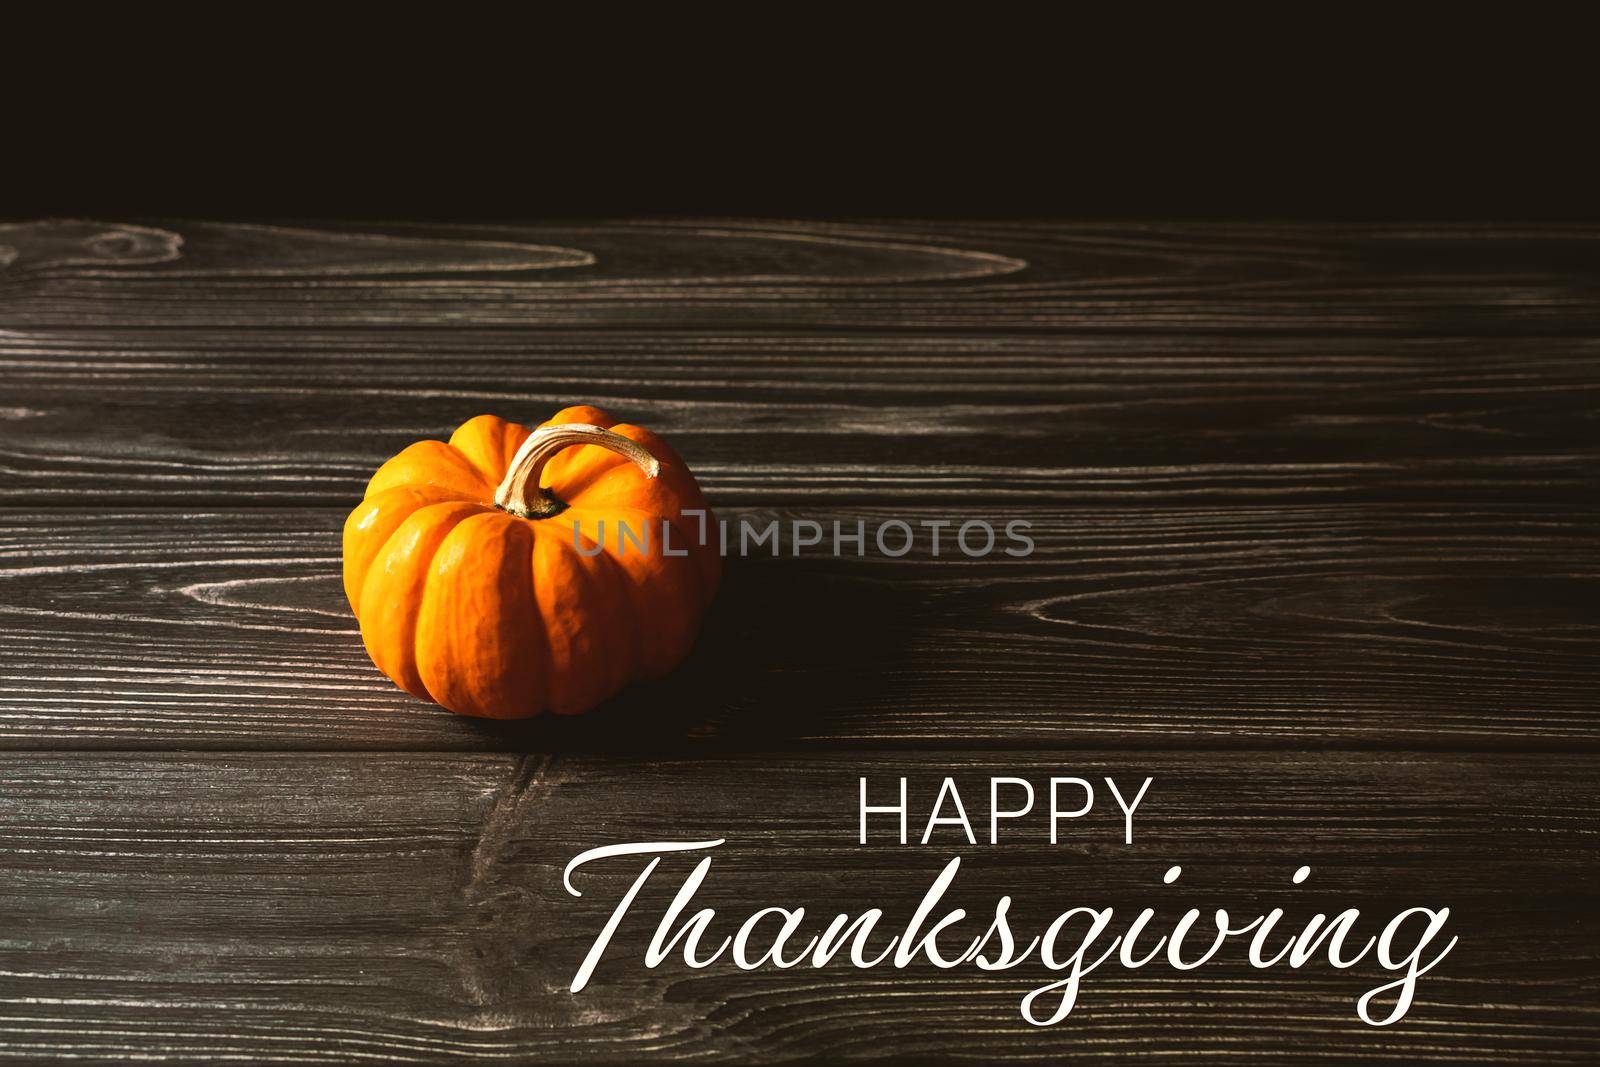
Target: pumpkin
{"x":510,"y":572}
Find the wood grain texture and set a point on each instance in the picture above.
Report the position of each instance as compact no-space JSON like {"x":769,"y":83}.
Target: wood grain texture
{"x":1023,"y":277}
{"x":215,"y":417}
{"x":1315,"y":516}
{"x":337,"y":907}
{"x":1166,"y":627}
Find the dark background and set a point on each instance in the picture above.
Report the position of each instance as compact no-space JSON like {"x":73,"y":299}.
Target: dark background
{"x":1162,"y":115}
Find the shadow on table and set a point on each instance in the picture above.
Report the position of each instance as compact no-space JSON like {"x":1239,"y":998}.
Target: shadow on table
{"x":784,"y":642}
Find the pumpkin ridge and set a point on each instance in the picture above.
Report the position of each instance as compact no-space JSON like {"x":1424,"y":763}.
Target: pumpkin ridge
{"x":588,"y":630}
{"x":431,"y":462}
{"x":384,"y":508}
{"x":415,"y":511}
{"x":466,"y":679}
{"x":427,"y":573}
{"x":488,"y":442}
{"x":662,"y":588}
{"x":423,"y":516}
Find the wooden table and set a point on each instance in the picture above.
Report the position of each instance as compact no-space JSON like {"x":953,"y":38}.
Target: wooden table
{"x":1315,"y":521}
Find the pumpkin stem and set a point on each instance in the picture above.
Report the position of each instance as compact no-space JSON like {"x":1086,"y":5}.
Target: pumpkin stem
{"x":520,"y":492}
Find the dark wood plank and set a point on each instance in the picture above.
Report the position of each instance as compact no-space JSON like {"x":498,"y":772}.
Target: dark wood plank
{"x":1025,"y":277}
{"x":300,"y":417}
{"x":1163,"y":627}
{"x":340,"y":907}
{"x":1299,"y":493}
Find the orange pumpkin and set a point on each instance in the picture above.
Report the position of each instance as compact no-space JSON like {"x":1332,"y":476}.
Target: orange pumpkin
{"x":493,"y":574}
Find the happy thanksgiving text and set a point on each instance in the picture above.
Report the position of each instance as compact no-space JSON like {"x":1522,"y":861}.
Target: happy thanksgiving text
{"x":1074,"y":944}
